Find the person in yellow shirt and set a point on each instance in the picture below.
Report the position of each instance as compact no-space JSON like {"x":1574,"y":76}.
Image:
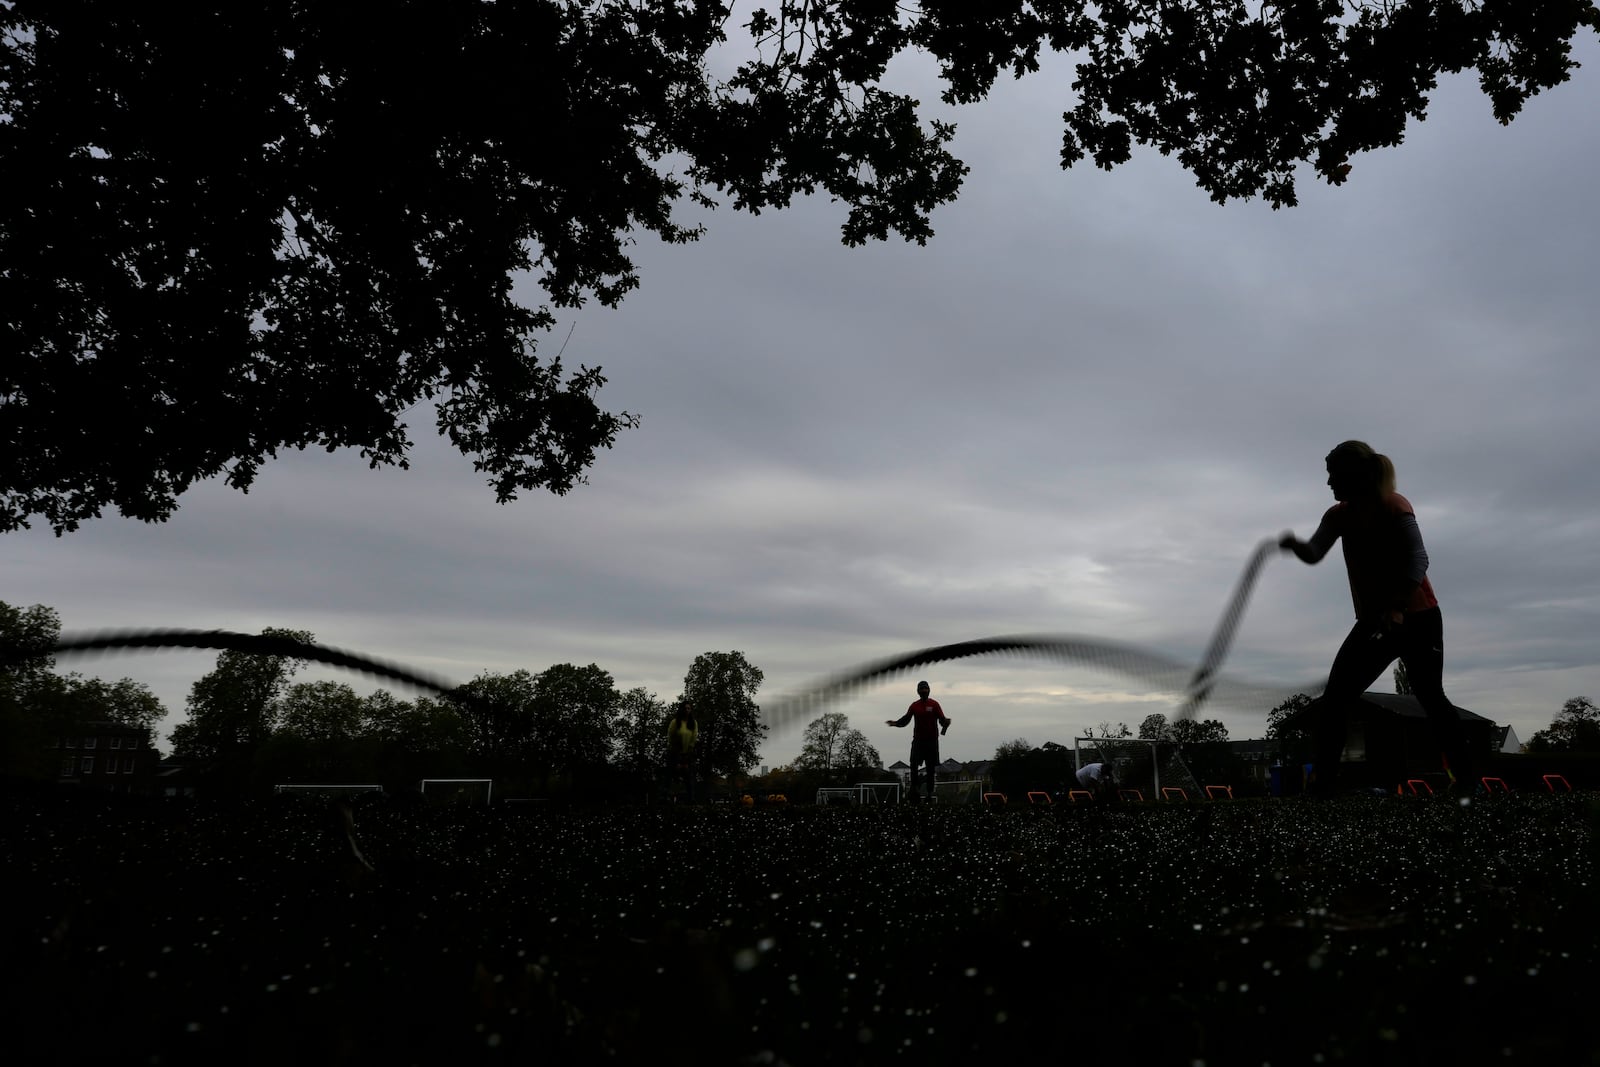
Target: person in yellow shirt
{"x":683,"y":734}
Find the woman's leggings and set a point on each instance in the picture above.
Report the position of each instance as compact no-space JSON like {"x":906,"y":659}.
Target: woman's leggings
{"x":1418,"y":643}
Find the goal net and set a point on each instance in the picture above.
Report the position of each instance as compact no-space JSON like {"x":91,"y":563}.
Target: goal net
{"x":964,"y":791}
{"x":878,"y":793}
{"x":443,"y":791}
{"x":861,"y":793}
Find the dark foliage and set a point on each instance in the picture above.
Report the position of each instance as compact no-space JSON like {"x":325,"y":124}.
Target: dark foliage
{"x":1575,"y":728}
{"x":1019,"y":769}
{"x":721,"y":688}
{"x":39,"y":706}
{"x":235,"y":229}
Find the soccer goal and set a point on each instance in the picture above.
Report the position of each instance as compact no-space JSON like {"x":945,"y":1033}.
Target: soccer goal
{"x":444,"y":791}
{"x":1139,"y":762}
{"x":861,"y":793}
{"x":965,"y":791}
{"x":878,"y":793}
{"x":325,"y":788}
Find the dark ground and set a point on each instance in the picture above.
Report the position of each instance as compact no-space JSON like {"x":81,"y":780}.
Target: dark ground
{"x":1374,"y":930}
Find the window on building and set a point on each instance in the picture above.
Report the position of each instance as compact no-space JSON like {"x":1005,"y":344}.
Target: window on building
{"x":88,"y":742}
{"x":116,"y":742}
{"x":68,"y":765}
{"x":87,"y":765}
{"x":71,"y":742}
{"x":127,"y":764}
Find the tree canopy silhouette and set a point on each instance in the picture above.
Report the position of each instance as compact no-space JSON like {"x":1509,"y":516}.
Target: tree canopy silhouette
{"x":234,"y":229}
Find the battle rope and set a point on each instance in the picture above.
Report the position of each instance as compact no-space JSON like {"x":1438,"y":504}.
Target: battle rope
{"x":1222,"y":637}
{"x":254,"y":644}
{"x":1158,"y":671}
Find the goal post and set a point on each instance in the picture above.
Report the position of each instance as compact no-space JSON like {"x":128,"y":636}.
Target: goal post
{"x":324,"y":788}
{"x":962,"y":791}
{"x":457,"y":790}
{"x":860,"y":793}
{"x":878,"y":792}
{"x":1138,"y":759}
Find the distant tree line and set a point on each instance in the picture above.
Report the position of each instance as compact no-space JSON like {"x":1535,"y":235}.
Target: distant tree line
{"x":833,"y":753}
{"x":566,"y":730}
{"x":250,"y":725}
{"x":39,"y":705}
{"x":833,"y":746}
{"x":1575,"y":728}
{"x":1202,"y":745}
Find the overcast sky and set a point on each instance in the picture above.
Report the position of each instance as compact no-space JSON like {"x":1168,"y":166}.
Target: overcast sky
{"x":1077,"y":410}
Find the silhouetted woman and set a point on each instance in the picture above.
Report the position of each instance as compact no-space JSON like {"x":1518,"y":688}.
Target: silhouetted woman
{"x":683,"y":736}
{"x":1397,"y":615}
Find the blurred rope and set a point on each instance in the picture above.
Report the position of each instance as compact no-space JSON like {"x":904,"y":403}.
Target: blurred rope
{"x":1157,"y":671}
{"x":1205,"y":675}
{"x":228,"y":640}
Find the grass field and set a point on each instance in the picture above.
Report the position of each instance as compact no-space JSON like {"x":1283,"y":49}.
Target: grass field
{"x":1271,"y":932}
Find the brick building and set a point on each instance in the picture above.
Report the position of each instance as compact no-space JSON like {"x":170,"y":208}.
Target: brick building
{"x":109,"y":756}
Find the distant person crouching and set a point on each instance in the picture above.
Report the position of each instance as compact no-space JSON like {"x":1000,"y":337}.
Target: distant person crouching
{"x":1099,"y":780}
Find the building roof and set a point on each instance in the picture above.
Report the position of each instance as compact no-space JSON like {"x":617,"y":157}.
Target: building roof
{"x":1411,"y":707}
{"x":1408,"y":707}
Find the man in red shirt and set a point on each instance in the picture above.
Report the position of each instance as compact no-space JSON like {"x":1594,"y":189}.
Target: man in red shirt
{"x":931,"y":725}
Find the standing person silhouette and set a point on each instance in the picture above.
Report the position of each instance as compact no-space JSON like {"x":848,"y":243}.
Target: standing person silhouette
{"x":353,"y":865}
{"x":931,"y":725}
{"x":1397,"y":614}
{"x":683,"y":734}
